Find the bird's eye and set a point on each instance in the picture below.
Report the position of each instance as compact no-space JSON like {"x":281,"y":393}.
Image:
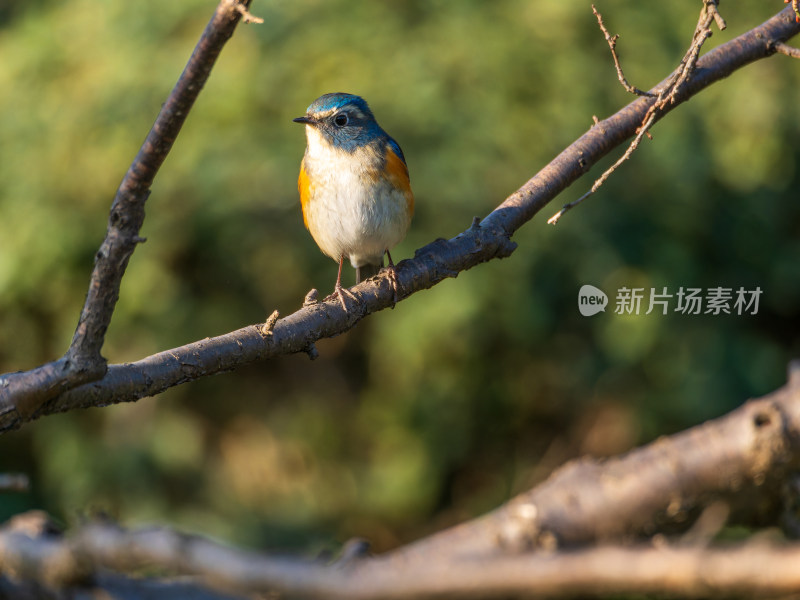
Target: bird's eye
{"x":340,"y":120}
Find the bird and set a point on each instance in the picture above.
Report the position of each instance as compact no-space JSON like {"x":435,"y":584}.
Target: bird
{"x":355,"y":191}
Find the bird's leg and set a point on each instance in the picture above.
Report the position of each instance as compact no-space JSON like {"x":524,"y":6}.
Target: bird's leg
{"x":392,"y":273}
{"x":339,"y":291}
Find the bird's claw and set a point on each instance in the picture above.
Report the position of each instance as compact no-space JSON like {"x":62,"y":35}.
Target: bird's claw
{"x":341,"y":292}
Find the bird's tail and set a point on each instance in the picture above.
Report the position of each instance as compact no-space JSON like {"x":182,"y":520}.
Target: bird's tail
{"x":366,"y":271}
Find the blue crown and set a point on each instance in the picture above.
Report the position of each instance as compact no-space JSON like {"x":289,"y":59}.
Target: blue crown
{"x":338,"y":100}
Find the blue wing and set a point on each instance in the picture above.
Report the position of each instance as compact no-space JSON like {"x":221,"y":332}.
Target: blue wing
{"x":396,"y":149}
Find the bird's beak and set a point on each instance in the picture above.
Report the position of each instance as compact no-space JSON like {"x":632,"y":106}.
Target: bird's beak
{"x":305,"y":119}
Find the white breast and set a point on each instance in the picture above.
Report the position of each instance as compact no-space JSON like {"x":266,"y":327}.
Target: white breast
{"x":350,"y":212}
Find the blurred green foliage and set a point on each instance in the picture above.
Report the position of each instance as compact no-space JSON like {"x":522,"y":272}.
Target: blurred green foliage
{"x":464,"y":394}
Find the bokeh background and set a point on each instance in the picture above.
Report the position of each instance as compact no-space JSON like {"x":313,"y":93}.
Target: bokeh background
{"x":463,"y":395}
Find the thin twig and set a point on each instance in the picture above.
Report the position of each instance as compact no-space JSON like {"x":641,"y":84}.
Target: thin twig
{"x":786,"y":49}
{"x":667,"y":95}
{"x":643,"y":131}
{"x":246,"y":16}
{"x":711,"y":6}
{"x":612,"y":44}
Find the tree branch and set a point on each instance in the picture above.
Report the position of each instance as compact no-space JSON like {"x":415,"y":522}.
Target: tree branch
{"x":743,"y":459}
{"x":747,"y":569}
{"x":531,"y":546}
{"x":483,"y":241}
{"x":22,"y":394}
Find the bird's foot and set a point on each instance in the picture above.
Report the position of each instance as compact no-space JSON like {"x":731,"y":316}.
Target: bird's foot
{"x":340,"y":292}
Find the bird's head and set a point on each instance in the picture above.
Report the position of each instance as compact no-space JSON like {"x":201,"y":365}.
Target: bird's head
{"x":342,"y":120}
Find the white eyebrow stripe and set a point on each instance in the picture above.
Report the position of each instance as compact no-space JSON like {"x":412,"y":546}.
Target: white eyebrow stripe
{"x":356,"y":112}
{"x":323,"y":114}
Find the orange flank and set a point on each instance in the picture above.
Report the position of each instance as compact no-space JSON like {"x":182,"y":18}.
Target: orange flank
{"x":397,"y":173}
{"x":304,"y":186}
